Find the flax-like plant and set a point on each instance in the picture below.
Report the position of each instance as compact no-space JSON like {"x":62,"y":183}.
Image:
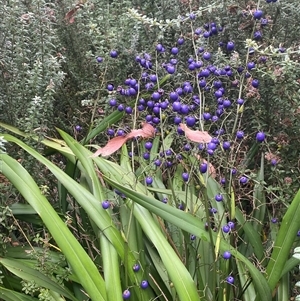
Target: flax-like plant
{"x":140,"y":228}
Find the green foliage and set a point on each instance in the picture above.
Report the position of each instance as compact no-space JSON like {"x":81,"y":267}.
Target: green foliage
{"x":89,"y":197}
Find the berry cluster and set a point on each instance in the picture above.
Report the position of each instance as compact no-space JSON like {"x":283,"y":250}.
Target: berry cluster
{"x":206,"y":90}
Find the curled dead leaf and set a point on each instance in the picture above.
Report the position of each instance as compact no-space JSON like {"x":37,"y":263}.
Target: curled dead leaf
{"x":196,"y":136}
{"x":147,"y":131}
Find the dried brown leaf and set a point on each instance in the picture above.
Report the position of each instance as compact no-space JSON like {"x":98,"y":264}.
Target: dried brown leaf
{"x":196,"y":136}
{"x":147,"y":131}
{"x":70,"y":15}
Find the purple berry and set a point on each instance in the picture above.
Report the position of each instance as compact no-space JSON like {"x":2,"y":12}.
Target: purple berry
{"x":213,"y":210}
{"x":144,"y":284}
{"x":110,"y":132}
{"x":210,"y":152}
{"x":113,"y":102}
{"x":180,"y":41}
{"x":203,"y":167}
{"x":230,"y":46}
{"x":192,"y":16}
{"x":156,"y":120}
{"x":148,"y":145}
{"x":214,"y":118}
{"x":226,"y":255}
{"x":128,"y":110}
{"x":200,"y":49}
{"x":219,"y":197}
{"x":260,"y":137}
{"x":155,"y":96}
{"x":170,"y":69}
{"x":190,"y":120}
{"x":201,"y":146}
{"x":206,"y":116}
{"x":251,"y":50}
{"x":187,"y":147}
{"x":258,"y":14}
{"x":250,"y":65}
{"x":126,"y":294}
{"x":174,"y":96}
{"x":159,"y":47}
{"x":157,"y":162}
{"x":120,"y":132}
{"x":273,"y":162}
{"x":298,"y":233}
{"x":113,"y":53}
{"x":78,"y":128}
{"x":185,"y":176}
{"x":231,"y":225}
{"x":99,"y":59}
{"x":230,"y":280}
{"x":184,"y":109}
{"x":264,"y":22}
{"x":212,"y":146}
{"x":257,"y":35}
{"x":181,"y":207}
{"x":192,"y":237}
{"x":136,"y":267}
{"x":105,"y":204}
{"x":218,"y":93}
{"x":226,"y":103}
{"x":206,"y":55}
{"x":174,"y":50}
{"x":165,"y":200}
{"x":223,"y":181}
{"x":149,"y":180}
{"x":198,"y":31}
{"x":206,"y":34}
{"x":240,"y":101}
{"x":274,"y":220}
{"x":168,"y":152}
{"x":243,"y":180}
{"x":240,"y":134}
{"x":226,"y":145}
{"x":110,"y":87}
{"x":226,"y":229}
{"x":146,"y":156}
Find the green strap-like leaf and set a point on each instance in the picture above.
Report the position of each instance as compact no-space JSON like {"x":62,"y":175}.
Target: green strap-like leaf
{"x":80,"y":262}
{"x":191,"y":224}
{"x":285,"y":238}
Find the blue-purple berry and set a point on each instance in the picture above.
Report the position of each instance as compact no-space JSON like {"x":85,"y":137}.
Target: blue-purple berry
{"x":225,"y":228}
{"x":144,"y":284}
{"x":149,"y":180}
{"x":106,"y":204}
{"x":126,"y":294}
{"x":230,"y":280}
{"x":219,"y":197}
{"x":260,"y":136}
{"x":136,"y":267}
{"x":203,"y":167}
{"x":243,"y":180}
{"x":114,"y":54}
{"x":226,"y":255}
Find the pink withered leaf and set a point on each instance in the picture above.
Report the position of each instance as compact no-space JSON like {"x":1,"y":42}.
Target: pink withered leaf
{"x":70,"y":15}
{"x":147,"y":131}
{"x":196,"y":136}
